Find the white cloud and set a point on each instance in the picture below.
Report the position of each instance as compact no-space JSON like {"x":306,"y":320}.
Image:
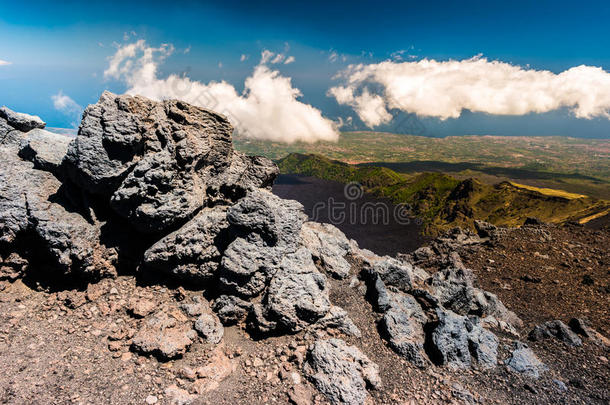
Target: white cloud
{"x":266,"y":56}
{"x":333,"y":56}
{"x":187,"y":50}
{"x":433,"y":88}
{"x":4,"y":63}
{"x":243,"y":57}
{"x":64,"y":103}
{"x":289,"y":60}
{"x":268,"y":108}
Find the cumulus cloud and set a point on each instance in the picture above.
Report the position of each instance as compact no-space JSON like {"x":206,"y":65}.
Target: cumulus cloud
{"x":289,"y":60}
{"x":268,"y":108}
{"x":64,"y":103}
{"x":243,"y":57}
{"x":4,"y":63}
{"x":443,"y":89}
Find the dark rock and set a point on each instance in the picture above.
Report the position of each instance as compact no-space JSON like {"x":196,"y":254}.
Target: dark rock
{"x":524,"y":361}
{"x":531,"y":221}
{"x":20,"y":121}
{"x":45,"y":149}
{"x":555,"y":329}
{"x":456,"y":340}
{"x":329,"y":246}
{"x":230,"y":309}
{"x":298,"y":294}
{"x":276,"y":220}
{"x":341,"y":372}
{"x":485,"y":229}
{"x":247,"y":265}
{"x":403,"y":326}
{"x":32,"y":207}
{"x":450,"y":340}
{"x":395,"y":273}
{"x":376,"y":290}
{"x":192,"y":252}
{"x":454,"y":289}
{"x":159,"y":162}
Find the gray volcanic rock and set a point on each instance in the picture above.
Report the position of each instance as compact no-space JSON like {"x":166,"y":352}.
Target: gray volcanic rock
{"x":248,"y":265}
{"x":192,"y":252}
{"x":524,"y":361}
{"x":45,"y":149}
{"x":555,"y":329}
{"x":457,"y":340}
{"x":450,"y":340}
{"x":298,"y":294}
{"x":65,"y":240}
{"x":454,"y":289}
{"x":341,"y":372}
{"x":329,"y":245}
{"x":376,"y":290}
{"x":210,"y":328}
{"x":20,"y":121}
{"x":395,"y":273}
{"x":230,"y":309}
{"x":160,"y":161}
{"x":276,"y":220}
{"x":403,"y":326}
{"x":483,"y":344}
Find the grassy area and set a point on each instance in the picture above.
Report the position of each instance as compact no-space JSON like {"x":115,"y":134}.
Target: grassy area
{"x":443,"y":201}
{"x":550,"y":191}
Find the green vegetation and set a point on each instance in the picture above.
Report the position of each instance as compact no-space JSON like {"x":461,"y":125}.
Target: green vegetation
{"x":443,"y":201}
{"x":580,"y":166}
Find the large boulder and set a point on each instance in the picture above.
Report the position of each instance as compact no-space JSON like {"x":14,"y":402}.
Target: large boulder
{"x":159,"y":162}
{"x":457,"y":340}
{"x":341,"y":372}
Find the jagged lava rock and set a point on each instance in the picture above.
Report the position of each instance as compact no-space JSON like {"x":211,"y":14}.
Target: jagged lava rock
{"x":160,"y":162}
{"x":341,"y":372}
{"x":193,"y":252}
{"x":31,"y":206}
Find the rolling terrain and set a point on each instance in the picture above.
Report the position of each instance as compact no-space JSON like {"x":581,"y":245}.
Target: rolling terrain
{"x":580,"y":166}
{"x":442,"y":201}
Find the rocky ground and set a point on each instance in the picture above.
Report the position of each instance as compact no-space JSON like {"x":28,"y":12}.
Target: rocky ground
{"x":146,"y":261}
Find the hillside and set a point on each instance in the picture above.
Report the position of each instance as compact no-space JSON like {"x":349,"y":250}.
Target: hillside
{"x":442,"y":201}
{"x":580,"y":166}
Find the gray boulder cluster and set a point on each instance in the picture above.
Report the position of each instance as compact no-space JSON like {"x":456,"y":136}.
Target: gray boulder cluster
{"x":156,"y":189}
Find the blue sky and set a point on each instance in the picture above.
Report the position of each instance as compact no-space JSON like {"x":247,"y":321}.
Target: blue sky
{"x":66,"y":47}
